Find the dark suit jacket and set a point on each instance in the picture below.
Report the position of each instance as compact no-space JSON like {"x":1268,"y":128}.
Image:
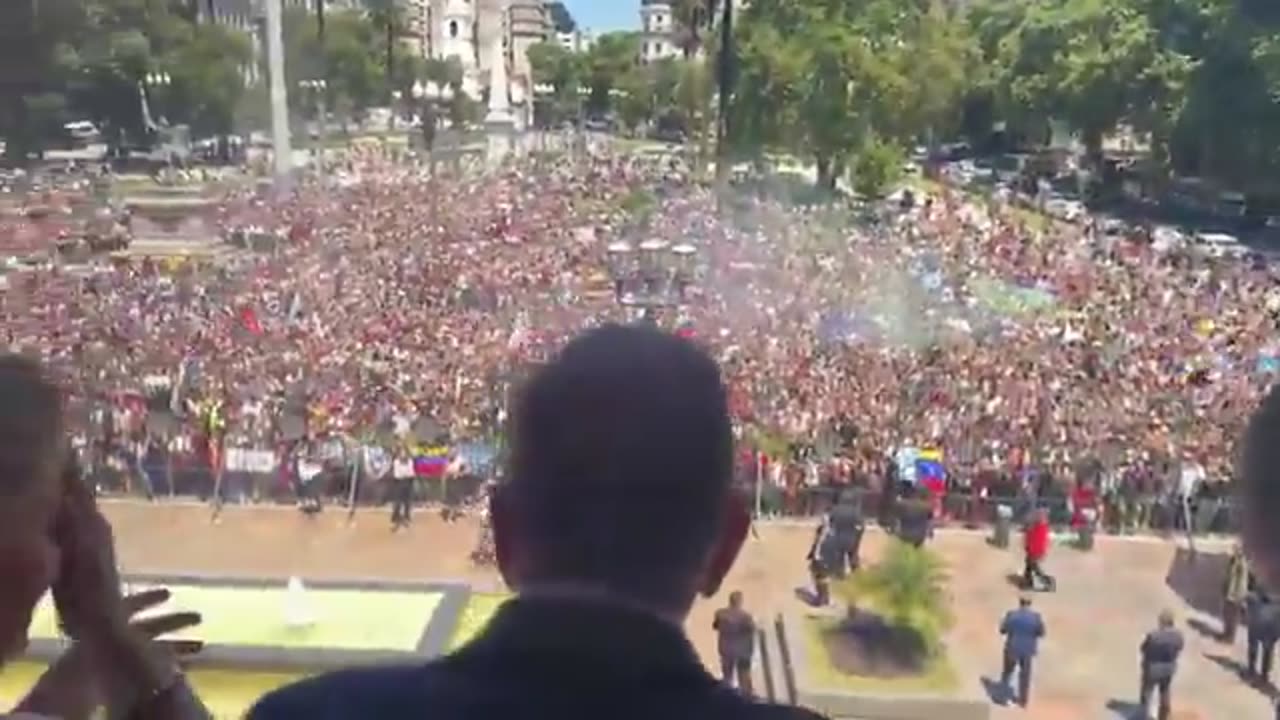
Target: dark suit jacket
{"x":1160,"y":650}
{"x":539,"y":658}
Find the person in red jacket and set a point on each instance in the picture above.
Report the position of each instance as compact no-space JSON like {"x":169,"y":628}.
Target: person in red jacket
{"x":1036,"y":545}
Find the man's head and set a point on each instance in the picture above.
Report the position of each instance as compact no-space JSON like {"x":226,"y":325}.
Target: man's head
{"x":620,"y":471}
{"x":1166,"y":619}
{"x":32,"y":450}
{"x":1024,"y":601}
{"x":735,"y":599}
{"x":1258,"y":491}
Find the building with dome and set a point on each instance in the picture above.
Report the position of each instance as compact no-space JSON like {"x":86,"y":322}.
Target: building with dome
{"x":658,"y":31}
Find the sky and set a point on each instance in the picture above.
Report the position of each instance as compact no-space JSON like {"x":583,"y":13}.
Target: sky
{"x":605,"y":15}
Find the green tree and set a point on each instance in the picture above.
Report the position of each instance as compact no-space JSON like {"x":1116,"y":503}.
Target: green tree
{"x":612,"y":57}
{"x":907,"y":587}
{"x":876,"y":166}
{"x":553,"y":65}
{"x":208,"y":80}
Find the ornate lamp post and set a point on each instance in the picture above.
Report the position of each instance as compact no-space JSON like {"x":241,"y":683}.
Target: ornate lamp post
{"x":651,"y":276}
{"x":543,"y":93}
{"x":584,"y":93}
{"x":154,"y":82}
{"x":318,"y":88}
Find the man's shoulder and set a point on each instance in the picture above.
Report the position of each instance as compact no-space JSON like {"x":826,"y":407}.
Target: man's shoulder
{"x":354,"y":692}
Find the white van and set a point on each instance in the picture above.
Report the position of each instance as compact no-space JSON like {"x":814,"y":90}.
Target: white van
{"x":1220,"y":245}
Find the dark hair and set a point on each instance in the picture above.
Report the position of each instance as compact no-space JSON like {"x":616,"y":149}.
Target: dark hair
{"x":621,"y":461}
{"x":31,"y":425}
{"x":1258,"y":489}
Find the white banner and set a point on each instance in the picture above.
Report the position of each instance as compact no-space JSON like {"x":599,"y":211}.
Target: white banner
{"x":250,"y":460}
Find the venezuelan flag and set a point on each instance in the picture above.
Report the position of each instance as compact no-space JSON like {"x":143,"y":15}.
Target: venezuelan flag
{"x":431,"y":462}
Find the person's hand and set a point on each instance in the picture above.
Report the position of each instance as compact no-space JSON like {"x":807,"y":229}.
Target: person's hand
{"x":87,"y":591}
{"x":69,"y":689}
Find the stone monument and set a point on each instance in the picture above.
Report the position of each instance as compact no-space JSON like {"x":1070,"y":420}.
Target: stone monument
{"x":281,"y":147}
{"x":500,"y":125}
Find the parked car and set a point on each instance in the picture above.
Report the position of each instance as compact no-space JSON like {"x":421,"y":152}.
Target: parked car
{"x":1219,"y":245}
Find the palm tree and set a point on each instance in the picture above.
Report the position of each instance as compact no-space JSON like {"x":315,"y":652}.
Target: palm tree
{"x":693,"y":18}
{"x":387,"y":14}
{"x":907,"y":588}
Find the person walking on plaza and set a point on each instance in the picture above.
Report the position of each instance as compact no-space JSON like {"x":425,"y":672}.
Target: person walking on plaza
{"x":736,"y":641}
{"x":1022,"y":629}
{"x":1235,"y":590}
{"x":1159,"y":650}
{"x":1262,"y":615}
{"x":1036,"y":546}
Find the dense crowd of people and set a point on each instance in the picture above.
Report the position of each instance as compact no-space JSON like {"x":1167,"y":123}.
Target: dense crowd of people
{"x":1047,"y":363}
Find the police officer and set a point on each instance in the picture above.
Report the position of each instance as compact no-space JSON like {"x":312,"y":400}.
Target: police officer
{"x":736,"y":641}
{"x":1160,"y":650}
{"x":1263,"y":618}
{"x":401,"y":490}
{"x":1022,"y":629}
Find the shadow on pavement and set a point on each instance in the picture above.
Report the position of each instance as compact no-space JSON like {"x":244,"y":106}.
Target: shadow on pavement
{"x":1228,"y":663}
{"x":1125,"y":709}
{"x":807,"y":596}
{"x":997,"y":693}
{"x":1197,"y":579}
{"x":1204,"y":629}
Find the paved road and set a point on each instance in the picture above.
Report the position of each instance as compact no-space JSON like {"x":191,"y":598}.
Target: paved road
{"x":1105,"y":602}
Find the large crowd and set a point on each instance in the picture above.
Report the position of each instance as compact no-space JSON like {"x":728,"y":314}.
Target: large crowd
{"x":1031,"y":358}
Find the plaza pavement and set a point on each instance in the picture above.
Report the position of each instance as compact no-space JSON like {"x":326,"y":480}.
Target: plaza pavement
{"x":1105,"y":601}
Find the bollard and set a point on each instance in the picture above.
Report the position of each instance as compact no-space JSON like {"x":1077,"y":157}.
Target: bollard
{"x":1088,"y":528}
{"x":1004,"y":522}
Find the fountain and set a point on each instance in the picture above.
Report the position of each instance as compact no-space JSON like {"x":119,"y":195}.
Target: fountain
{"x":298,"y":612}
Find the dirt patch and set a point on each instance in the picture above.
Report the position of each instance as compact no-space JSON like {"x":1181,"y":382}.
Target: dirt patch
{"x":864,"y":644}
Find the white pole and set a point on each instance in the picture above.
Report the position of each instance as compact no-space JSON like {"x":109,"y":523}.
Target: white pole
{"x":281,"y":148}
{"x":759,"y":485}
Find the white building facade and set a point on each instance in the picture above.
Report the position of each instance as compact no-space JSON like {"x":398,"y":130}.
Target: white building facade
{"x":658,"y":32}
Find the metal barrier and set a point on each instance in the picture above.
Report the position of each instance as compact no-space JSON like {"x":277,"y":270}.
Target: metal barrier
{"x":1166,"y":513}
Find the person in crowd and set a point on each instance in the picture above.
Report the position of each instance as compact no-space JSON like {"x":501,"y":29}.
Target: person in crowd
{"x":52,"y":537}
{"x":1022,"y":629}
{"x":736,"y":642}
{"x":846,"y":521}
{"x":624,"y":425}
{"x":1159,"y":662}
{"x":1262,"y":618}
{"x":402,"y":479}
{"x":819,"y":563}
{"x":915,"y":515}
{"x":1036,"y":549}
{"x":1235,"y":590}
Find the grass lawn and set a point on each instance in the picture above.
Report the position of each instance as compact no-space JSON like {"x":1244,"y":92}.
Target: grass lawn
{"x":939,"y":675}
{"x":474,"y":617}
{"x":344,"y":619}
{"x":228,"y":693}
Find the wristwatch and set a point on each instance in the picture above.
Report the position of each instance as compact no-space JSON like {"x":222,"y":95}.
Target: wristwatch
{"x":145,"y":707}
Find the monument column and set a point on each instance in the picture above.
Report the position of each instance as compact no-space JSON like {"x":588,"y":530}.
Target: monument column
{"x":499,"y":123}
{"x":280,"y":146}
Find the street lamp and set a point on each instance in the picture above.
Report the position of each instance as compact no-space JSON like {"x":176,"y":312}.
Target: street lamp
{"x":319,"y":88}
{"x":430,"y":96}
{"x":542,"y":93}
{"x":583,"y":92}
{"x":157,"y":80}
{"x":651,"y":276}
